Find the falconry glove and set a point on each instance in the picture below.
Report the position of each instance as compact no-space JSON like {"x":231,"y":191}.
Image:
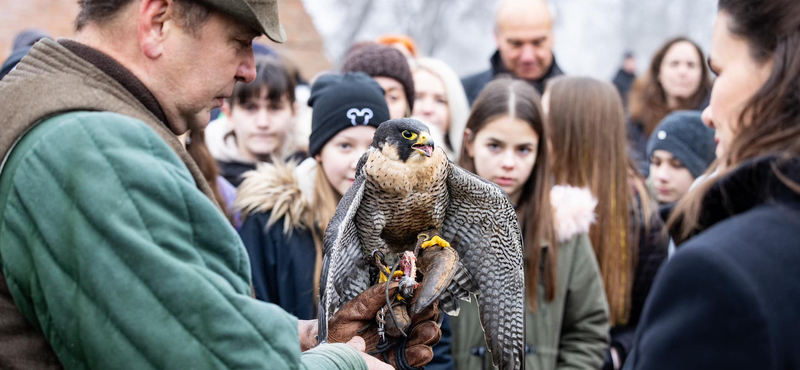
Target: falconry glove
{"x":357,"y":318}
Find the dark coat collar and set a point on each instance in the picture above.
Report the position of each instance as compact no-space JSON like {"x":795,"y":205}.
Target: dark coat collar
{"x":754,"y":183}
{"x":499,"y":68}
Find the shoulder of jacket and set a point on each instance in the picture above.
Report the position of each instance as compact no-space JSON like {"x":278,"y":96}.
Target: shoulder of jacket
{"x":573,"y":211}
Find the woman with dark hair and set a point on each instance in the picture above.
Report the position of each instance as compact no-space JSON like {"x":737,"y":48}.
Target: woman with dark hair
{"x":588,"y":140}
{"x":678,"y":79}
{"x":566,"y":320}
{"x":730,"y":296}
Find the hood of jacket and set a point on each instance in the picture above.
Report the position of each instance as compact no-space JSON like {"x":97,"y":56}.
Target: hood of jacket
{"x":221,"y":142}
{"x":286,"y":189}
{"x":573,"y":211}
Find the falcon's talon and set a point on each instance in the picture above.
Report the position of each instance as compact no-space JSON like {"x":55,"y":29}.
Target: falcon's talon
{"x":383,"y":278}
{"x":381,"y":256}
{"x":436,"y":240}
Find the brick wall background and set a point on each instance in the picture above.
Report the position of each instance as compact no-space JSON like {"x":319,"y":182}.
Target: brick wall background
{"x":304,"y":45}
{"x":53,"y":16}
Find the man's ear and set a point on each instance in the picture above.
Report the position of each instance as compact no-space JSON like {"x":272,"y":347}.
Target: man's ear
{"x":155,"y":22}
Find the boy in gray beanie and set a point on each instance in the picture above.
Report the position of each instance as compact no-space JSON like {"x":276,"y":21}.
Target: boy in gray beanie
{"x":680,"y":149}
{"x":390,"y":69}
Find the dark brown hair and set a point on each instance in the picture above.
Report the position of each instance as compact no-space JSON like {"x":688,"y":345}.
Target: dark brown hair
{"x":588,"y":139}
{"x":191,"y":14}
{"x":648,"y":101}
{"x":198,"y":150}
{"x":770,"y":121}
{"x":272,"y":76}
{"x":504,"y":97}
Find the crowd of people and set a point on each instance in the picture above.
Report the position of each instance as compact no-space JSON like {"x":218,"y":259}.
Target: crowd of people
{"x":164,"y":206}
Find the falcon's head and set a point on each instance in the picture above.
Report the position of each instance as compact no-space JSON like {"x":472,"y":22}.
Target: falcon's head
{"x":409,"y":137}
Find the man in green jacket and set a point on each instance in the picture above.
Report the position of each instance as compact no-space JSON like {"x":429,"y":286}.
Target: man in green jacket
{"x":113,"y":252}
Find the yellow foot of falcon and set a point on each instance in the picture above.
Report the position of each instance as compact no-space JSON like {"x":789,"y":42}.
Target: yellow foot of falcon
{"x":436,"y":240}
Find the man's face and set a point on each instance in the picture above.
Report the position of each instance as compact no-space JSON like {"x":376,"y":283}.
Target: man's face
{"x":525,"y":47}
{"x":199,"y":70}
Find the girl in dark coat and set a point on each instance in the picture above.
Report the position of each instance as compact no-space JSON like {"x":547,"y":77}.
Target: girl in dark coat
{"x":730,"y":296}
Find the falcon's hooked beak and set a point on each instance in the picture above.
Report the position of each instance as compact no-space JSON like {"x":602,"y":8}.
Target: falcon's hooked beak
{"x":424,"y":144}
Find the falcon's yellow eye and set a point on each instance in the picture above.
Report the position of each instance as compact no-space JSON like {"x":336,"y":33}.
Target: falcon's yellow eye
{"x":409,"y":135}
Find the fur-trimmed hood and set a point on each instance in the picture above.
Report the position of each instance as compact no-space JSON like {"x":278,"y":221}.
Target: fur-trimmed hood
{"x":573,"y":211}
{"x":285,"y":189}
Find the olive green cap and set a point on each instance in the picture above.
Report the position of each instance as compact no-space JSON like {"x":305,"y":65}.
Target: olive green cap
{"x":262,"y":15}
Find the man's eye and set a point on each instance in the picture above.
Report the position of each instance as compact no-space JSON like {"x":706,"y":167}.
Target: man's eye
{"x":245,"y":44}
{"x":493,"y":147}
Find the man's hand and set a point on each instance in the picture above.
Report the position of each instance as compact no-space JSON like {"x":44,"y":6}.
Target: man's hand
{"x":357,"y":318}
{"x":308,"y":334}
{"x":308,"y":340}
{"x":372,"y":362}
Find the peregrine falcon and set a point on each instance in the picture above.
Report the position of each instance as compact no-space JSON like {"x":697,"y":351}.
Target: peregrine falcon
{"x":405,"y":186}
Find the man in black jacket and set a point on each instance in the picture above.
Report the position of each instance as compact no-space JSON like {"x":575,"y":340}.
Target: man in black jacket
{"x":524,"y":35}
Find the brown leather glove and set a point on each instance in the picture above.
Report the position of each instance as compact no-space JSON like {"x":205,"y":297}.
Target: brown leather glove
{"x":357,"y":317}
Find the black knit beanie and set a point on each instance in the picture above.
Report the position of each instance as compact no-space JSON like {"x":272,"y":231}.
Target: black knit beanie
{"x":683,"y":134}
{"x":382,"y":61}
{"x":343,"y":101}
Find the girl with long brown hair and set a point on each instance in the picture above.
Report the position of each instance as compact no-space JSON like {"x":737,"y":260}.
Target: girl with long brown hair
{"x":567,"y":314}
{"x":588,"y":140}
{"x":730,"y":296}
{"x":678,"y":79}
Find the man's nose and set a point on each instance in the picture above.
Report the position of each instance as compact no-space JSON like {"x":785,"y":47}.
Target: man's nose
{"x":528,"y":53}
{"x":246,"y":72}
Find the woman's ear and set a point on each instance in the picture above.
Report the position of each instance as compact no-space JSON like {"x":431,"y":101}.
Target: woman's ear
{"x":295,"y":109}
{"x":318,"y":158}
{"x":469,"y":142}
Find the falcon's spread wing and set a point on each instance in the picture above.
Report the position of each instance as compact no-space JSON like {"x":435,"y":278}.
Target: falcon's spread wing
{"x":344,"y":273}
{"x":482,"y":226}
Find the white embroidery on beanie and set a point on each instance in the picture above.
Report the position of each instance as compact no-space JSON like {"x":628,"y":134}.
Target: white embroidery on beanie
{"x":662,"y":135}
{"x":353,"y":113}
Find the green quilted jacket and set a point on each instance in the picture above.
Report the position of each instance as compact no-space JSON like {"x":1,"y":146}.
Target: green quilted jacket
{"x":111,"y":251}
